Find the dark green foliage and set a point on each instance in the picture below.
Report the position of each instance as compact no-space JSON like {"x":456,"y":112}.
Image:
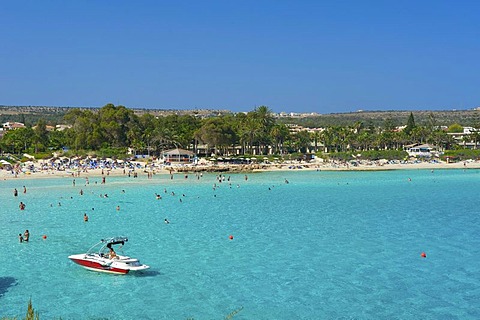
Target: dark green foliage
{"x":455,"y":128}
{"x":341,"y":156}
{"x":110,"y":130}
{"x":383,"y":154}
{"x":410,"y":124}
{"x":463,"y":154}
{"x":371,"y":155}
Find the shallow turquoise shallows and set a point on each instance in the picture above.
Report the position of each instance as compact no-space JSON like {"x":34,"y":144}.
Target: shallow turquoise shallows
{"x":326,"y":245}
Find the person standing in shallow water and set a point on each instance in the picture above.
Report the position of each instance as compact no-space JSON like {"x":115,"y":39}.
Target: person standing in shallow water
{"x":26,"y":235}
{"x":15,"y":192}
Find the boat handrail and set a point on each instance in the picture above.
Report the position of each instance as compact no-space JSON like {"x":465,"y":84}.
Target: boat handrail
{"x":105,"y":242}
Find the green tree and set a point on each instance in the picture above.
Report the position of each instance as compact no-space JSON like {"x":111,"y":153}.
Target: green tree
{"x":256,"y":127}
{"x":475,"y":137}
{"x":410,"y":124}
{"x":18,"y":140}
{"x":40,"y":136}
{"x":455,"y":128}
{"x":302,"y":141}
{"x":57,"y":139}
{"x":279,"y":133}
{"x":217,"y":133}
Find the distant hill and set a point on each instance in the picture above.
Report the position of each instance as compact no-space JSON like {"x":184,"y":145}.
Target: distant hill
{"x":54,"y":115}
{"x":396,"y":118}
{"x":30,"y":115}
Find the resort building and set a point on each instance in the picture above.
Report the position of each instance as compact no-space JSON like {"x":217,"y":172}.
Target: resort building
{"x":178,"y":156}
{"x":12,"y":126}
{"x":469,"y":138}
{"x":421,"y":150}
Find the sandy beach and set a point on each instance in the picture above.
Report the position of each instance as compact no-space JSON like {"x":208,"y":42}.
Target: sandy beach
{"x":36,"y":171}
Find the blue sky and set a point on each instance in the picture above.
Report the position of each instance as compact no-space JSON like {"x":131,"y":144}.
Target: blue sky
{"x":293,"y":56}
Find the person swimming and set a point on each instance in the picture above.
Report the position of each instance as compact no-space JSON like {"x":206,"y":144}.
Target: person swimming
{"x":166,"y":221}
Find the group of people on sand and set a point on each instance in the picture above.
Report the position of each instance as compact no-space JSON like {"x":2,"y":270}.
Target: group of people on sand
{"x":25,"y":237}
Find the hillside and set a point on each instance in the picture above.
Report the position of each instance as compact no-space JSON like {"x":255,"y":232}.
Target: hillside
{"x":396,"y":118}
{"x":54,"y":115}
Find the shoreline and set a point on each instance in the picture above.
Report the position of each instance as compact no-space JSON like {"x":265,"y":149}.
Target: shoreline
{"x":232,"y":168}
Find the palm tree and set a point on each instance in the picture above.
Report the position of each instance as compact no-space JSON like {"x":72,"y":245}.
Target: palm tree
{"x":327,"y":137}
{"x":259,"y":123}
{"x":279,"y":134}
{"x":476,"y":138}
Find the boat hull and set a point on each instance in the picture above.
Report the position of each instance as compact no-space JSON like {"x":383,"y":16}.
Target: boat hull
{"x":98,"y":266}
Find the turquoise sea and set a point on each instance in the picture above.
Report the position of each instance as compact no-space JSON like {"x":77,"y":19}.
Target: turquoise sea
{"x":326,"y":245}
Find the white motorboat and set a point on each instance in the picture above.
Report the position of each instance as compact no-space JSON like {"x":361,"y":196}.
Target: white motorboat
{"x":102,"y":257}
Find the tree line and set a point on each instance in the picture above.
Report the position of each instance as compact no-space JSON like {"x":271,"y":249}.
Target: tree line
{"x":113,"y":129}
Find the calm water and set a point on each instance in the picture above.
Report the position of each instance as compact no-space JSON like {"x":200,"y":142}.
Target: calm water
{"x":327,"y":245}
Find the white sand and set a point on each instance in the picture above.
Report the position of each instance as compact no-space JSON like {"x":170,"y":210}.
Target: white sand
{"x":371,"y":166}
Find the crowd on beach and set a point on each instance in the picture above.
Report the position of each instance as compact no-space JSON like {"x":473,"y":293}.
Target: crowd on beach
{"x":70,"y":165}
{"x":93,"y":166}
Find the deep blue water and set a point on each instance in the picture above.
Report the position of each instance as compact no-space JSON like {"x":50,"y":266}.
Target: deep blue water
{"x":327,"y":245}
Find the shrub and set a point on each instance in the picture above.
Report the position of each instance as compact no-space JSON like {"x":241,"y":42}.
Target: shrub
{"x":462,"y":154}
